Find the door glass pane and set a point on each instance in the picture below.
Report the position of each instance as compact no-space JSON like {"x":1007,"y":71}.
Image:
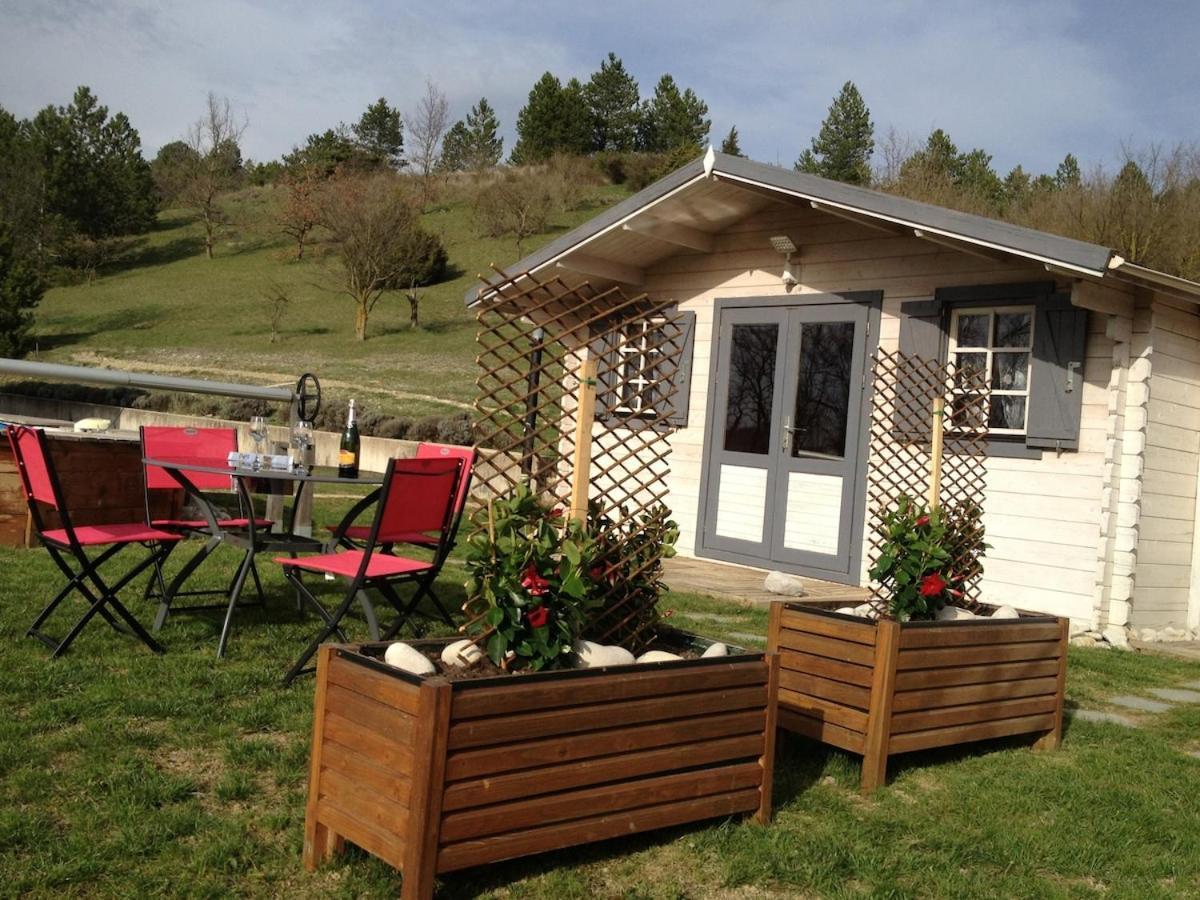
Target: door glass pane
{"x":1012,"y":329}
{"x":751,"y":388}
{"x":823,"y":389}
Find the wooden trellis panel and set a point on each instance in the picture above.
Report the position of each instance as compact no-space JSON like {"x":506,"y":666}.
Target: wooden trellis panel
{"x":905,"y":407}
{"x":543,"y":345}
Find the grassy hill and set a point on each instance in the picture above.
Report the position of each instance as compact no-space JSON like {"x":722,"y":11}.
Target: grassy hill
{"x":168,"y":309}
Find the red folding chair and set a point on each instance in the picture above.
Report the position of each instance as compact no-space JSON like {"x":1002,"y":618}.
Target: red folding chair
{"x":417,"y":497}
{"x":66,"y":545}
{"x":210,"y":446}
{"x":354,"y":535}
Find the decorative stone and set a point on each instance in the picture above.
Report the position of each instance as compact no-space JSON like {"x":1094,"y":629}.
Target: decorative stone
{"x":461,"y":653}
{"x":1176,"y":695}
{"x":1006,"y":612}
{"x":590,"y":655}
{"x":783,"y":583}
{"x":848,"y":611}
{"x":1083,"y":641}
{"x":717,"y":649}
{"x":1171,"y":633}
{"x":653,"y":656}
{"x":954,"y":614}
{"x":1117,"y":636}
{"x":1141,"y":704}
{"x":866,"y":611}
{"x":1147,"y":635}
{"x":402,"y":656}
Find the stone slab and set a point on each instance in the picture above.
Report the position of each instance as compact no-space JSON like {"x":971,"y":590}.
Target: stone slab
{"x":745,"y":636}
{"x":1141,"y":704}
{"x":1176,"y":695}
{"x":1097,"y":715}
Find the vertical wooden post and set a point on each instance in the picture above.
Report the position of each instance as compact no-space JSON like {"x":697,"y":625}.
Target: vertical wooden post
{"x":879,"y":717}
{"x":774,"y":623}
{"x":429,"y":777}
{"x":320,"y":843}
{"x":767,"y":760}
{"x":585,"y":414}
{"x":1052,"y":739}
{"x":935,"y":453}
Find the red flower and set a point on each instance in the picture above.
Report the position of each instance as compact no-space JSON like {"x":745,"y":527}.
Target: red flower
{"x":537,"y":616}
{"x":533,"y":582}
{"x":932,"y":584}
{"x":923,"y":521}
{"x":555,"y":513}
{"x":596,"y":572}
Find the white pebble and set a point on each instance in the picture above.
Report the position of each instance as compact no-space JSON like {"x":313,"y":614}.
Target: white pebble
{"x":402,"y":656}
{"x":461,"y":653}
{"x":717,"y":649}
{"x":954,"y":614}
{"x":1006,"y":612}
{"x":653,"y":656}
{"x":590,"y":655}
{"x":848,"y":611}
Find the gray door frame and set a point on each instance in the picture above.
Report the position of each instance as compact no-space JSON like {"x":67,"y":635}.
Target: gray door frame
{"x":873,"y":301}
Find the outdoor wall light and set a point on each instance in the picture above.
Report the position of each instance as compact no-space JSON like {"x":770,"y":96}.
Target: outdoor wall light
{"x":783,"y":244}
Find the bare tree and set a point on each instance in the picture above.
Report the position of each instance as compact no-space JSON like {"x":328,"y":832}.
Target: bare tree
{"x":425,"y":129}
{"x":520,"y":204}
{"x":414,"y":305}
{"x":277,"y":300}
{"x":299,"y":211}
{"x":213,"y":167}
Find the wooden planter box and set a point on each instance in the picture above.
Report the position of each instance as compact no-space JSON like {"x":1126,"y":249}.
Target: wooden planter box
{"x":881,"y":688}
{"x":433,"y":775}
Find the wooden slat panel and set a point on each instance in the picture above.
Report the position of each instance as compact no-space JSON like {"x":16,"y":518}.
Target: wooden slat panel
{"x":543,"y":695}
{"x":388,"y":847}
{"x":926,"y":678}
{"x":568,"y":806}
{"x":818,"y":730}
{"x":830,"y":648}
{"x":499,"y":729}
{"x":394,"y":692}
{"x":961,"y":734}
{"x":384,"y":750}
{"x":827,"y":689}
{"x":975,"y":712}
{"x":851,"y":673}
{"x":349,"y":762}
{"x":858,"y":632}
{"x":934,"y":698}
{"x":512,"y":758}
{"x":959,"y":635}
{"x":384,"y":720}
{"x":479,"y":792}
{"x":537,"y":840}
{"x":347,"y":793}
{"x":956,"y":656}
{"x":854,"y":719}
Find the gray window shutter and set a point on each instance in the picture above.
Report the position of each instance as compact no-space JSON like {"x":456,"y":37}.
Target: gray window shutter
{"x":1056,"y":374}
{"x":682,"y":382}
{"x":921,"y":329}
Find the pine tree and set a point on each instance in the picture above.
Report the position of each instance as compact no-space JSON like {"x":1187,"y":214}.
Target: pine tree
{"x":454,"y":148}
{"x":20,"y":291}
{"x":484,"y":145}
{"x":575,"y":120}
{"x":380,"y":135}
{"x":842,"y":148}
{"x":1067,"y":174}
{"x":612,"y":98}
{"x":555,"y":119}
{"x":671,"y":119}
{"x":730,"y":145}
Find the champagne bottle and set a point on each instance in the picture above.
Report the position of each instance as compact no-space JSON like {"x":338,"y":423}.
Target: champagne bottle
{"x":348,"y":451}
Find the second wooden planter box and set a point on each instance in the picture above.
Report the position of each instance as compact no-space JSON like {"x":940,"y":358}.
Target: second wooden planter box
{"x":881,"y":688}
{"x":433,"y":775}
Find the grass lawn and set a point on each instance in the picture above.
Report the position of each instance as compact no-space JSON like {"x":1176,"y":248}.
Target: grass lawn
{"x":125,"y":774}
{"x":168,"y":309}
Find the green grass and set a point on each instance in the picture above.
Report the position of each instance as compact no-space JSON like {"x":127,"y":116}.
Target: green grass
{"x":167,"y":308}
{"x":125,"y":774}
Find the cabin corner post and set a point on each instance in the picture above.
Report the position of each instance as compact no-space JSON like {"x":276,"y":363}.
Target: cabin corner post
{"x":1052,"y":739}
{"x":770,"y":732}
{"x":320,"y":842}
{"x":879,"y":716}
{"x":429,"y":775}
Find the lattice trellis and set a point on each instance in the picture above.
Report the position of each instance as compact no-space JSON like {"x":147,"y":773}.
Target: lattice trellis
{"x":941,"y":464}
{"x":554,"y":357}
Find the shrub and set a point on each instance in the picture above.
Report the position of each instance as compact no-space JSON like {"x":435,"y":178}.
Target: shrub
{"x":457,"y":429}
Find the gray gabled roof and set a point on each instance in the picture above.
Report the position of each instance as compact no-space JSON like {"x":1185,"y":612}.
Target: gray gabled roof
{"x":1050,"y":249}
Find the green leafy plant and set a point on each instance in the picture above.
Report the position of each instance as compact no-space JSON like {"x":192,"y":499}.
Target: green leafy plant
{"x":627,"y":562}
{"x":927,"y":557}
{"x":530,"y":569}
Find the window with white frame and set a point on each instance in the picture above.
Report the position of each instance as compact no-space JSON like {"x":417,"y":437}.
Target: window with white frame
{"x":640,"y":355}
{"x":996,"y":344}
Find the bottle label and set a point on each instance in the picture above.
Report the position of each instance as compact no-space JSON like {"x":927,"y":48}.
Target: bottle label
{"x":346,"y":457}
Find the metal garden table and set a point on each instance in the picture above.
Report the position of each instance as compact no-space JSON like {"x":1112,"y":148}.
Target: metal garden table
{"x":251,"y":538}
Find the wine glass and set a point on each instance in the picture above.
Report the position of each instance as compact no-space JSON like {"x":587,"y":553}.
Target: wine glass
{"x":302,"y":442}
{"x":258,"y":434}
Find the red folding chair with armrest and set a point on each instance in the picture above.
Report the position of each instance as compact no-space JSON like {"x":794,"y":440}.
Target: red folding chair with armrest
{"x":66,"y":545}
{"x":210,"y":446}
{"x":417,"y":495}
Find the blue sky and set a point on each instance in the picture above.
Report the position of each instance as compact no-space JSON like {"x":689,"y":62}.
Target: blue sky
{"x":1026,"y":81}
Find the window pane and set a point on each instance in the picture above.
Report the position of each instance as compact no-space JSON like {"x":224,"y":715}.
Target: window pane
{"x":966,"y":411}
{"x":970,"y":368}
{"x":1012,"y":329}
{"x":823,"y":389}
{"x":751,"y":388}
{"x":972,"y":331}
{"x":1011,"y":371}
{"x":1007,"y":412}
